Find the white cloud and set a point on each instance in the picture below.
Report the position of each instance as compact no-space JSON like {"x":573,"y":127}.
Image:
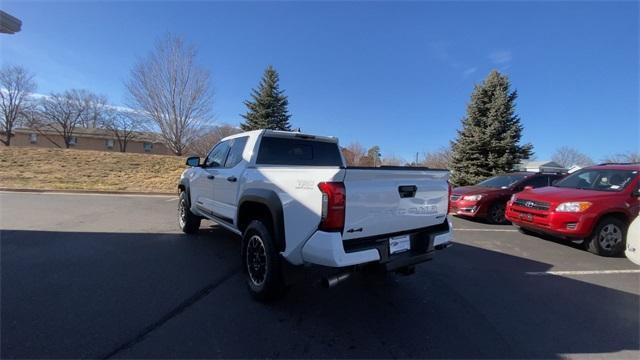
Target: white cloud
{"x":469,"y":71}
{"x":441,"y":51}
{"x":500,"y":57}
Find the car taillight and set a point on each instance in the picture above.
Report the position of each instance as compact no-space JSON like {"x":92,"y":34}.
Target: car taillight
{"x":448,"y":197}
{"x":333,"y":204}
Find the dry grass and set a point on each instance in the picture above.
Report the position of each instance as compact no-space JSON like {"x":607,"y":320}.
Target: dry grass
{"x":57,"y":169}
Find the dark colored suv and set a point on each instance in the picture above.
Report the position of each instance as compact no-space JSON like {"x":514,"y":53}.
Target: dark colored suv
{"x":487,"y":200}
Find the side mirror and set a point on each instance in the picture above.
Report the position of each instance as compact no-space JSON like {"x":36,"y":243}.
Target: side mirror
{"x":193,"y":161}
{"x":636,"y":192}
{"x":528,"y":187}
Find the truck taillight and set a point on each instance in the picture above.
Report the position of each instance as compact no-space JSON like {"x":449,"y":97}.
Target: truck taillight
{"x":448,"y":197}
{"x":333,"y":204}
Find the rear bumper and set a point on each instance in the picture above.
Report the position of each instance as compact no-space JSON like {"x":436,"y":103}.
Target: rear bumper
{"x":567,"y":225}
{"x":328,"y":248}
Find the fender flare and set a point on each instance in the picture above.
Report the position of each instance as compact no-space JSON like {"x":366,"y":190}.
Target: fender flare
{"x":184,"y":183}
{"x":271,"y":200}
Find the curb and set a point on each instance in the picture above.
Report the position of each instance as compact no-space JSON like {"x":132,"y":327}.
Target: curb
{"x":75,"y":191}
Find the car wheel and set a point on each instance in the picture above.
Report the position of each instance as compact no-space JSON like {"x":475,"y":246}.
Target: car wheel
{"x":261,"y":263}
{"x":496,"y":213}
{"x":608,"y":238}
{"x":188,"y":221}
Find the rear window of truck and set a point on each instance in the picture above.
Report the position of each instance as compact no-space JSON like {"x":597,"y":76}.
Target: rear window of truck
{"x":287,"y":151}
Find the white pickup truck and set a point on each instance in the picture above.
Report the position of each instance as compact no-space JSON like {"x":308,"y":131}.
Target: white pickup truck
{"x":293,"y":201}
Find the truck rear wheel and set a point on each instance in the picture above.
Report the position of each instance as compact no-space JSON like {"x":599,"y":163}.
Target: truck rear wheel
{"x":189,"y":222}
{"x":261,"y":263}
{"x":608,"y":238}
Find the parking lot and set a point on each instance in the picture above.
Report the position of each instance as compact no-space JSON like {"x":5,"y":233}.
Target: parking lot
{"x":110,"y":276}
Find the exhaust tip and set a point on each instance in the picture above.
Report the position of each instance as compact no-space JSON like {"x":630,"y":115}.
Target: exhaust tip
{"x":331,"y":281}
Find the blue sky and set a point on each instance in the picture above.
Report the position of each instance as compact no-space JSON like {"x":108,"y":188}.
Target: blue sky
{"x":398,"y":75}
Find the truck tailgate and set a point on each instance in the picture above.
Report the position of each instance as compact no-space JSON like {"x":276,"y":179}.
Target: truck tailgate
{"x":386,"y":201}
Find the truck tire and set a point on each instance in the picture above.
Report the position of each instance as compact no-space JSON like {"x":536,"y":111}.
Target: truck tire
{"x":608,"y":237}
{"x":189,"y":223}
{"x":261,"y":263}
{"x":496,"y":213}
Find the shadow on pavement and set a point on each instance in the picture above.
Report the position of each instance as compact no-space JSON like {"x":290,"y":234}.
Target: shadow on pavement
{"x":79,"y":294}
{"x":478,"y":220}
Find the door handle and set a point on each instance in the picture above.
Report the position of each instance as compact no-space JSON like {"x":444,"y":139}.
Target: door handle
{"x":211,"y":177}
{"x":232,"y":179}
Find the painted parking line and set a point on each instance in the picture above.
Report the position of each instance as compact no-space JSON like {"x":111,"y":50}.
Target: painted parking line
{"x":583,"y":272}
{"x":172,"y":199}
{"x":499,"y":230}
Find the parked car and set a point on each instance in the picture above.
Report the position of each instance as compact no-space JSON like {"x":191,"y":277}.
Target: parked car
{"x":487,"y":200}
{"x":633,"y":241}
{"x":595,"y":204}
{"x":294,"y":202}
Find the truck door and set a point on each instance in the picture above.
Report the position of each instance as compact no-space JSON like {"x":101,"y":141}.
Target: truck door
{"x":226,"y":183}
{"x":202,"y":182}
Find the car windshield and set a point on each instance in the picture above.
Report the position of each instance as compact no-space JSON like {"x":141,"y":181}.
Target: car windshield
{"x":598,"y":179}
{"x":502,"y":181}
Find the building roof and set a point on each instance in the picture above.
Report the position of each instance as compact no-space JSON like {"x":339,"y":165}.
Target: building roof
{"x":545,"y":165}
{"x":95,"y":133}
{"x":9,"y":24}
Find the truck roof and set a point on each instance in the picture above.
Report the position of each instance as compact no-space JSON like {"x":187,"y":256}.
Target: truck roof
{"x":278,"y":133}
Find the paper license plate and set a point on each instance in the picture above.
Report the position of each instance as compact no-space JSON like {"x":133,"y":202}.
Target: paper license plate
{"x":399,"y":244}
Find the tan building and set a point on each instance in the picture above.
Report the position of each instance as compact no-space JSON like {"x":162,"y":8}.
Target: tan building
{"x":89,"y":139}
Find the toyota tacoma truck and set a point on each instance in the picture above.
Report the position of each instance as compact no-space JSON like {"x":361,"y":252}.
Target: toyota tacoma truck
{"x":294,"y":202}
{"x":595,"y":204}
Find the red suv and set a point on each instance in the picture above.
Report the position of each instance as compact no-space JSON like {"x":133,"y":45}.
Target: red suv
{"x":488,"y":199}
{"x":595,"y":204}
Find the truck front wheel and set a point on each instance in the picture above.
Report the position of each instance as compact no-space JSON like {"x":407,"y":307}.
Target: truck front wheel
{"x":608,"y":238}
{"x":189,"y":223}
{"x":261,"y":262}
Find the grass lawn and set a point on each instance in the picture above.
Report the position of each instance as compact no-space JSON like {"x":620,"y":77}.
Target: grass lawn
{"x":58,"y":169}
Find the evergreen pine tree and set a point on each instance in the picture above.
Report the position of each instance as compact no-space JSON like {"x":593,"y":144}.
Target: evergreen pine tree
{"x":268,"y":107}
{"x":488,"y":143}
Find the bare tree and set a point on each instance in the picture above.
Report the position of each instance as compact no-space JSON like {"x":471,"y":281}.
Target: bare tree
{"x":16,"y":86}
{"x":568,"y":157}
{"x":354,"y":153}
{"x":59,"y":113}
{"x":392,"y":160}
{"x":208,"y":137}
{"x":439,"y":159}
{"x":123,"y":125}
{"x":96,"y":109}
{"x":628,"y":157}
{"x":173,"y":91}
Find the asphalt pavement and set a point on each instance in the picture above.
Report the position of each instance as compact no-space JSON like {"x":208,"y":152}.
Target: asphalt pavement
{"x":108,"y":276}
